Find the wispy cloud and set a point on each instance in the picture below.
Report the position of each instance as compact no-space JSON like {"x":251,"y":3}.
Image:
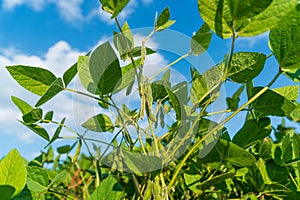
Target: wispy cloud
{"x":71,"y":10}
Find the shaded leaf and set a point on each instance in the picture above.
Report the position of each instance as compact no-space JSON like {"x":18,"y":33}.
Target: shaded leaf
{"x":33,"y":116}
{"x":113,"y":7}
{"x":201,"y":40}
{"x":38,"y":130}
{"x":37,"y":179}
{"x":56,"y":87}
{"x":252,"y":131}
{"x":105,"y":69}
{"x":99,"y":123}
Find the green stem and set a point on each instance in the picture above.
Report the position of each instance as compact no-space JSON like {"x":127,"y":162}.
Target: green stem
{"x":88,"y":95}
{"x":218,"y":127}
{"x":169,"y":65}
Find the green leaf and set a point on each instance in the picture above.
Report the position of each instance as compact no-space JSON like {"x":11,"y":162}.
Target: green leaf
{"x":64,"y":149}
{"x":70,"y":74}
{"x":6,"y":191}
{"x":295,"y":114}
{"x":49,"y":116}
{"x":289,"y":92}
{"x":38,"y":130}
{"x":56,"y":87}
{"x":241,"y":9}
{"x":253,"y":131}
{"x":138,"y":163}
{"x":113,"y":7}
{"x":163,"y":21}
{"x":33,"y":116}
{"x":59,"y":178}
{"x":12,"y":173}
{"x":128,"y":75}
{"x":109,"y":188}
{"x":176,"y":104}
{"x":272,"y":103}
{"x":85,"y":75}
{"x":36,"y":80}
{"x":233,"y":102}
{"x":192,"y":176}
{"x":266,"y":20}
{"x":201,"y":40}
{"x":99,"y":123}
{"x":217,"y":15}
{"x":37,"y":179}
{"x":105,"y":69}
{"x":216,"y":179}
{"x":245,"y":66}
{"x":285,"y":43}
{"x":277,"y":191}
{"x":57,"y":132}
{"x":136,"y":51}
{"x":22,"y":105}
{"x":226,"y":150}
{"x":276,"y":172}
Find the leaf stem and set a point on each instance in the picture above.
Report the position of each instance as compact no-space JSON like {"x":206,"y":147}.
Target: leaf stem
{"x":219,"y":126}
{"x":169,"y":65}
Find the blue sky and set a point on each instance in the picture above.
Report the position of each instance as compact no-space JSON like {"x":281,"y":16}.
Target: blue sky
{"x":51,"y":34}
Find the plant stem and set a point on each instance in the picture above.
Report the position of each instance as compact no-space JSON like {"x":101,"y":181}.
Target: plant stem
{"x":62,"y":125}
{"x":88,"y":95}
{"x":219,"y":126}
{"x":129,"y":52}
{"x":169,"y":65}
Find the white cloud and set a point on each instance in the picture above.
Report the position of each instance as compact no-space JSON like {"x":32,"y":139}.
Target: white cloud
{"x":71,"y":10}
{"x":34,"y":4}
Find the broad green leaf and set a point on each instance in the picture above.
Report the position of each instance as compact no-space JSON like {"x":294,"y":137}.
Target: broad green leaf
{"x":216,"y":13}
{"x":128,"y":75}
{"x":57,"y":132}
{"x":253,"y":131}
{"x":70,"y":74}
{"x":64,"y":149}
{"x":295,"y":114}
{"x":26,"y":194}
{"x":105,"y":69}
{"x":233,"y":102}
{"x":138,"y":163}
{"x":122,"y":44}
{"x":113,"y":7}
{"x":85,"y":74}
{"x":272,"y":103}
{"x":13,"y":172}
{"x":6,"y":191}
{"x":241,"y":9}
{"x":22,"y":105}
{"x":192,"y":176}
{"x":276,"y":172}
{"x":205,"y":85}
{"x":109,"y":188}
{"x":33,"y":116}
{"x":289,"y":92}
{"x":37,"y":179}
{"x":285,"y":43}
{"x":136,"y":51}
{"x":245,"y":66}
{"x":38,"y":130}
{"x":287,"y":149}
{"x":36,"y":80}
{"x":163,"y":21}
{"x":99,"y":123}
{"x":266,"y":20}
{"x":277,"y":191}
{"x":49,"y":116}
{"x":56,"y":87}
{"x":158,"y":91}
{"x":58,"y":178}
{"x":128,"y":34}
{"x":201,"y":40}
{"x":226,"y":150}
{"x":216,"y":179}
{"x":176,"y":104}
